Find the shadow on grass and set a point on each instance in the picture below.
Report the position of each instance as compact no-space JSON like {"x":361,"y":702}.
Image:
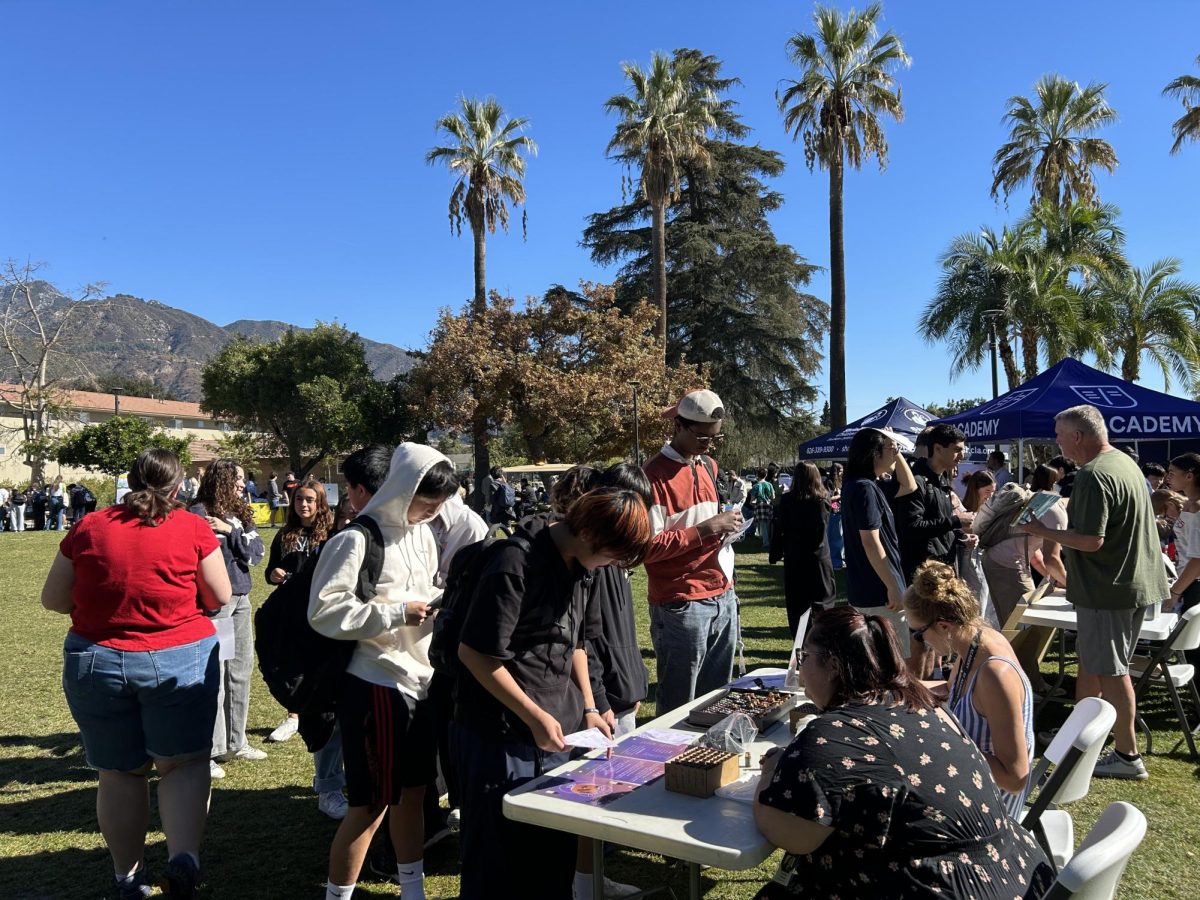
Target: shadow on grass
{"x":287,"y":856}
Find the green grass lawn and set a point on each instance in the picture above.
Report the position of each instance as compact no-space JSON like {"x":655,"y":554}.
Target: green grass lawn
{"x":266,"y":839}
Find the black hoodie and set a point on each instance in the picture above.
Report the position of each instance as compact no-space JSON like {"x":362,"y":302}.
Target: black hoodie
{"x":619,"y":677}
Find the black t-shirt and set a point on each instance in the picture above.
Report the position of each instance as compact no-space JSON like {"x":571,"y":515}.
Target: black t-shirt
{"x":531,"y":611}
{"x":865,"y":508}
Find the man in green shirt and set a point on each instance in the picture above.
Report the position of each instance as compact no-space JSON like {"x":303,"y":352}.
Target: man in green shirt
{"x":1114,"y":572}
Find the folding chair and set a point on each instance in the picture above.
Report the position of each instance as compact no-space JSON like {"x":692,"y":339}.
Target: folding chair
{"x":1159,"y":670}
{"x":1073,"y":753}
{"x":1095,"y":870}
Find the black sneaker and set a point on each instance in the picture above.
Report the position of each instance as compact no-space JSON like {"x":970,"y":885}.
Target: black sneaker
{"x":182,"y":879}
{"x":383,"y":865}
{"x":134,"y":887}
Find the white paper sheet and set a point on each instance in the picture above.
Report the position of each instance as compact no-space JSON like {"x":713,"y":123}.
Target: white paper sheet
{"x":591,"y":739}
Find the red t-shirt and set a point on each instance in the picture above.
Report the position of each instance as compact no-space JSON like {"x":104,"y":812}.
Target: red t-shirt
{"x":136,"y":585}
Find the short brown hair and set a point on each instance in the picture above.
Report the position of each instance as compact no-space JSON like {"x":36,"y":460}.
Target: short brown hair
{"x":613,"y":522}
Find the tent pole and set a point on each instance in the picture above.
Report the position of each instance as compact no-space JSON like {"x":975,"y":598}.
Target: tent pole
{"x":1021,"y":456}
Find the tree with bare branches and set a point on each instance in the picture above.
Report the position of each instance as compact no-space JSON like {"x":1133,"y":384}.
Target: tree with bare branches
{"x":36,"y":335}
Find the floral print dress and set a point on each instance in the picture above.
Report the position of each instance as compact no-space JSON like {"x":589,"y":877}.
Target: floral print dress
{"x":913,"y":808}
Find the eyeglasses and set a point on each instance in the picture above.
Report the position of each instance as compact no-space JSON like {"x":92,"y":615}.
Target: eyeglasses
{"x":802,"y":655}
{"x":918,"y":634}
{"x":705,"y":438}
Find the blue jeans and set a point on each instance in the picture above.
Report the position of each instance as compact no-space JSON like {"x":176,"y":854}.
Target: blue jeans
{"x":502,"y":858}
{"x":694,"y":642}
{"x":57,"y":512}
{"x":135,"y":705}
{"x":331,"y":774}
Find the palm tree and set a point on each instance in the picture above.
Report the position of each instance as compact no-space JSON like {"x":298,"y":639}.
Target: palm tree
{"x":1151,"y":311}
{"x":485,"y":156}
{"x":845,"y":86}
{"x":1031,"y":282}
{"x":665,"y":120}
{"x":1187,"y":127}
{"x":1050,"y":142}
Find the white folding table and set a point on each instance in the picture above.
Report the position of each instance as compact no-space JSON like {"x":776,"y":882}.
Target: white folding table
{"x":714,"y":831}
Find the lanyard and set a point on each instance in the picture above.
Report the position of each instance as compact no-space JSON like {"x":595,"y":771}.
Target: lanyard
{"x":960,"y":681}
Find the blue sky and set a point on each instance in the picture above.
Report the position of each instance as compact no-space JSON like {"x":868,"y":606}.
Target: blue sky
{"x":265,"y":159}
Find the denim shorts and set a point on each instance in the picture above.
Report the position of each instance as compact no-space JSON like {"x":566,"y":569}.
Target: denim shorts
{"x":134,"y":706}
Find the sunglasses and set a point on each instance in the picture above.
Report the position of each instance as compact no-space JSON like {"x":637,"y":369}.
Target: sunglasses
{"x":918,"y":634}
{"x":705,"y":438}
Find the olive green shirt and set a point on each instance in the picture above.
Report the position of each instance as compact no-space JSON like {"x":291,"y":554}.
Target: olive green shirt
{"x":1110,"y":500}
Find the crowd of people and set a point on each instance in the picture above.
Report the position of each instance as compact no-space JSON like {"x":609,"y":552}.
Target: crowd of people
{"x":53,"y":506}
{"x":474,"y":647}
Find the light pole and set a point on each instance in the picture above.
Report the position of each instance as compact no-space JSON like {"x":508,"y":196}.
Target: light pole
{"x":637,"y":438}
{"x":116,"y":392}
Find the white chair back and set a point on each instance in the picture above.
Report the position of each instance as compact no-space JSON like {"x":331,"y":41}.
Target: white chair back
{"x":1085,"y":730}
{"x":1096,"y":868}
{"x":1188,"y":637}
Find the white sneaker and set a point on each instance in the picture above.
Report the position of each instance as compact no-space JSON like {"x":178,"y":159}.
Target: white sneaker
{"x":615,"y":889}
{"x":334,"y":804}
{"x":454,"y":821}
{"x":214,"y":770}
{"x":1113,"y":765}
{"x":285,"y":730}
{"x":250,"y":753}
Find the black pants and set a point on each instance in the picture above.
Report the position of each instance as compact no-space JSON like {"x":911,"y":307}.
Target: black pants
{"x":500,"y":857}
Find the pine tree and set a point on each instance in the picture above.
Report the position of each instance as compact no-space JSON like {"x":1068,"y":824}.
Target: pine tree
{"x":734,"y":300}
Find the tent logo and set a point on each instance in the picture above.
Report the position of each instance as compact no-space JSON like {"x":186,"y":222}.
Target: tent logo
{"x":916,"y":417}
{"x":873,"y":417}
{"x":1109,"y":395}
{"x":1005,"y":402}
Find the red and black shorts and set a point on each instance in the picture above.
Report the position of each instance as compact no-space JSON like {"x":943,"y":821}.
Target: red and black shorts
{"x":388,"y":742}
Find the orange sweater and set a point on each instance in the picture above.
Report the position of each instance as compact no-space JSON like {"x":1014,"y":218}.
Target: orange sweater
{"x":680,"y":564}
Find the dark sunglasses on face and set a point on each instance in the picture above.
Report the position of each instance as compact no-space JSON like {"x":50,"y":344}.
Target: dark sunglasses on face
{"x":705,"y":438}
{"x":918,"y":634}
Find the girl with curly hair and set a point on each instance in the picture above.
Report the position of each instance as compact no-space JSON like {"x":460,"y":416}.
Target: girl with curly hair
{"x":221,"y":500}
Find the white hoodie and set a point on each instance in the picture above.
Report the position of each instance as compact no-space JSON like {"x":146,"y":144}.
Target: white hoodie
{"x":389,"y":652}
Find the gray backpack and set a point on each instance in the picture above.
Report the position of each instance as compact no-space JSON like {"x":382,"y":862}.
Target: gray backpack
{"x":991,"y":522}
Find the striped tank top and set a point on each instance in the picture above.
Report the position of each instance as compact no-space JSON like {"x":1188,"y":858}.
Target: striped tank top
{"x":977,"y":728}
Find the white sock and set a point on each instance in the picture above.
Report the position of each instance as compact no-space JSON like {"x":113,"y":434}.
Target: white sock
{"x":412,"y":879}
{"x":338,"y":891}
{"x":583,"y":886}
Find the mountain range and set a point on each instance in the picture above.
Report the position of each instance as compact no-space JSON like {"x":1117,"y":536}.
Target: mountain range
{"x":148,"y":339}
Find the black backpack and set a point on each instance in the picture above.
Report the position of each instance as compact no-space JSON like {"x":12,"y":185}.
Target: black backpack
{"x":467,"y":567}
{"x":302,"y":668}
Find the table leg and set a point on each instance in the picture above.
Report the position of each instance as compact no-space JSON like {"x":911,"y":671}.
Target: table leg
{"x":597,"y":869}
{"x":1062,"y":673}
{"x":694,"y":881}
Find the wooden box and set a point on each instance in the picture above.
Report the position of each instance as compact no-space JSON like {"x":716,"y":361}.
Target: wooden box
{"x":764,"y":707}
{"x":699,"y":771}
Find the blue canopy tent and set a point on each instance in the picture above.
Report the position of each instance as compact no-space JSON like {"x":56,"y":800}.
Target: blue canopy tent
{"x":1133,"y":414}
{"x":900,"y":415}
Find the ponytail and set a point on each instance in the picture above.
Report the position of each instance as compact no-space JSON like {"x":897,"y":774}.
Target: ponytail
{"x":152,"y":479}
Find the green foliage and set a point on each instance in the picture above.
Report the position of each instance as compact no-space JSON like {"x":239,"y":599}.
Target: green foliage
{"x":750,"y":445}
{"x":390,"y":411}
{"x":734,"y":301}
{"x":1050,"y":142}
{"x":954,"y":407}
{"x":308,"y":390}
{"x":112,"y":446}
{"x":1186,"y":89}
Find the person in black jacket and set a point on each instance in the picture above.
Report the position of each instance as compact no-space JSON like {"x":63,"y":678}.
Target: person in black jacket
{"x":799,"y":536}
{"x":926,"y":522}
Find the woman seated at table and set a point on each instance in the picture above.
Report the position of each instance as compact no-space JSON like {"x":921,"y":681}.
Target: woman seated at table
{"x":987,"y":690}
{"x":882,"y":795}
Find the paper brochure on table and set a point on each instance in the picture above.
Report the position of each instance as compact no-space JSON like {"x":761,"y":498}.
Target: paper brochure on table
{"x":636,"y":760}
{"x":592,"y":739}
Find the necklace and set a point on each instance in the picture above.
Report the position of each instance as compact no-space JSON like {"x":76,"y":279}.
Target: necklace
{"x":965,"y":668}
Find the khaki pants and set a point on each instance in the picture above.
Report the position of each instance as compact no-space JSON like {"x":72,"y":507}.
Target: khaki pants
{"x":1007,"y":587}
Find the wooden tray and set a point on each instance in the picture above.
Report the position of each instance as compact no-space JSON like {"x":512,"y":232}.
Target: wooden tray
{"x":765,"y":707}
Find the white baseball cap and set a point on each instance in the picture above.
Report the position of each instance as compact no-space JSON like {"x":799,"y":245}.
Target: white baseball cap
{"x":698,"y":406}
